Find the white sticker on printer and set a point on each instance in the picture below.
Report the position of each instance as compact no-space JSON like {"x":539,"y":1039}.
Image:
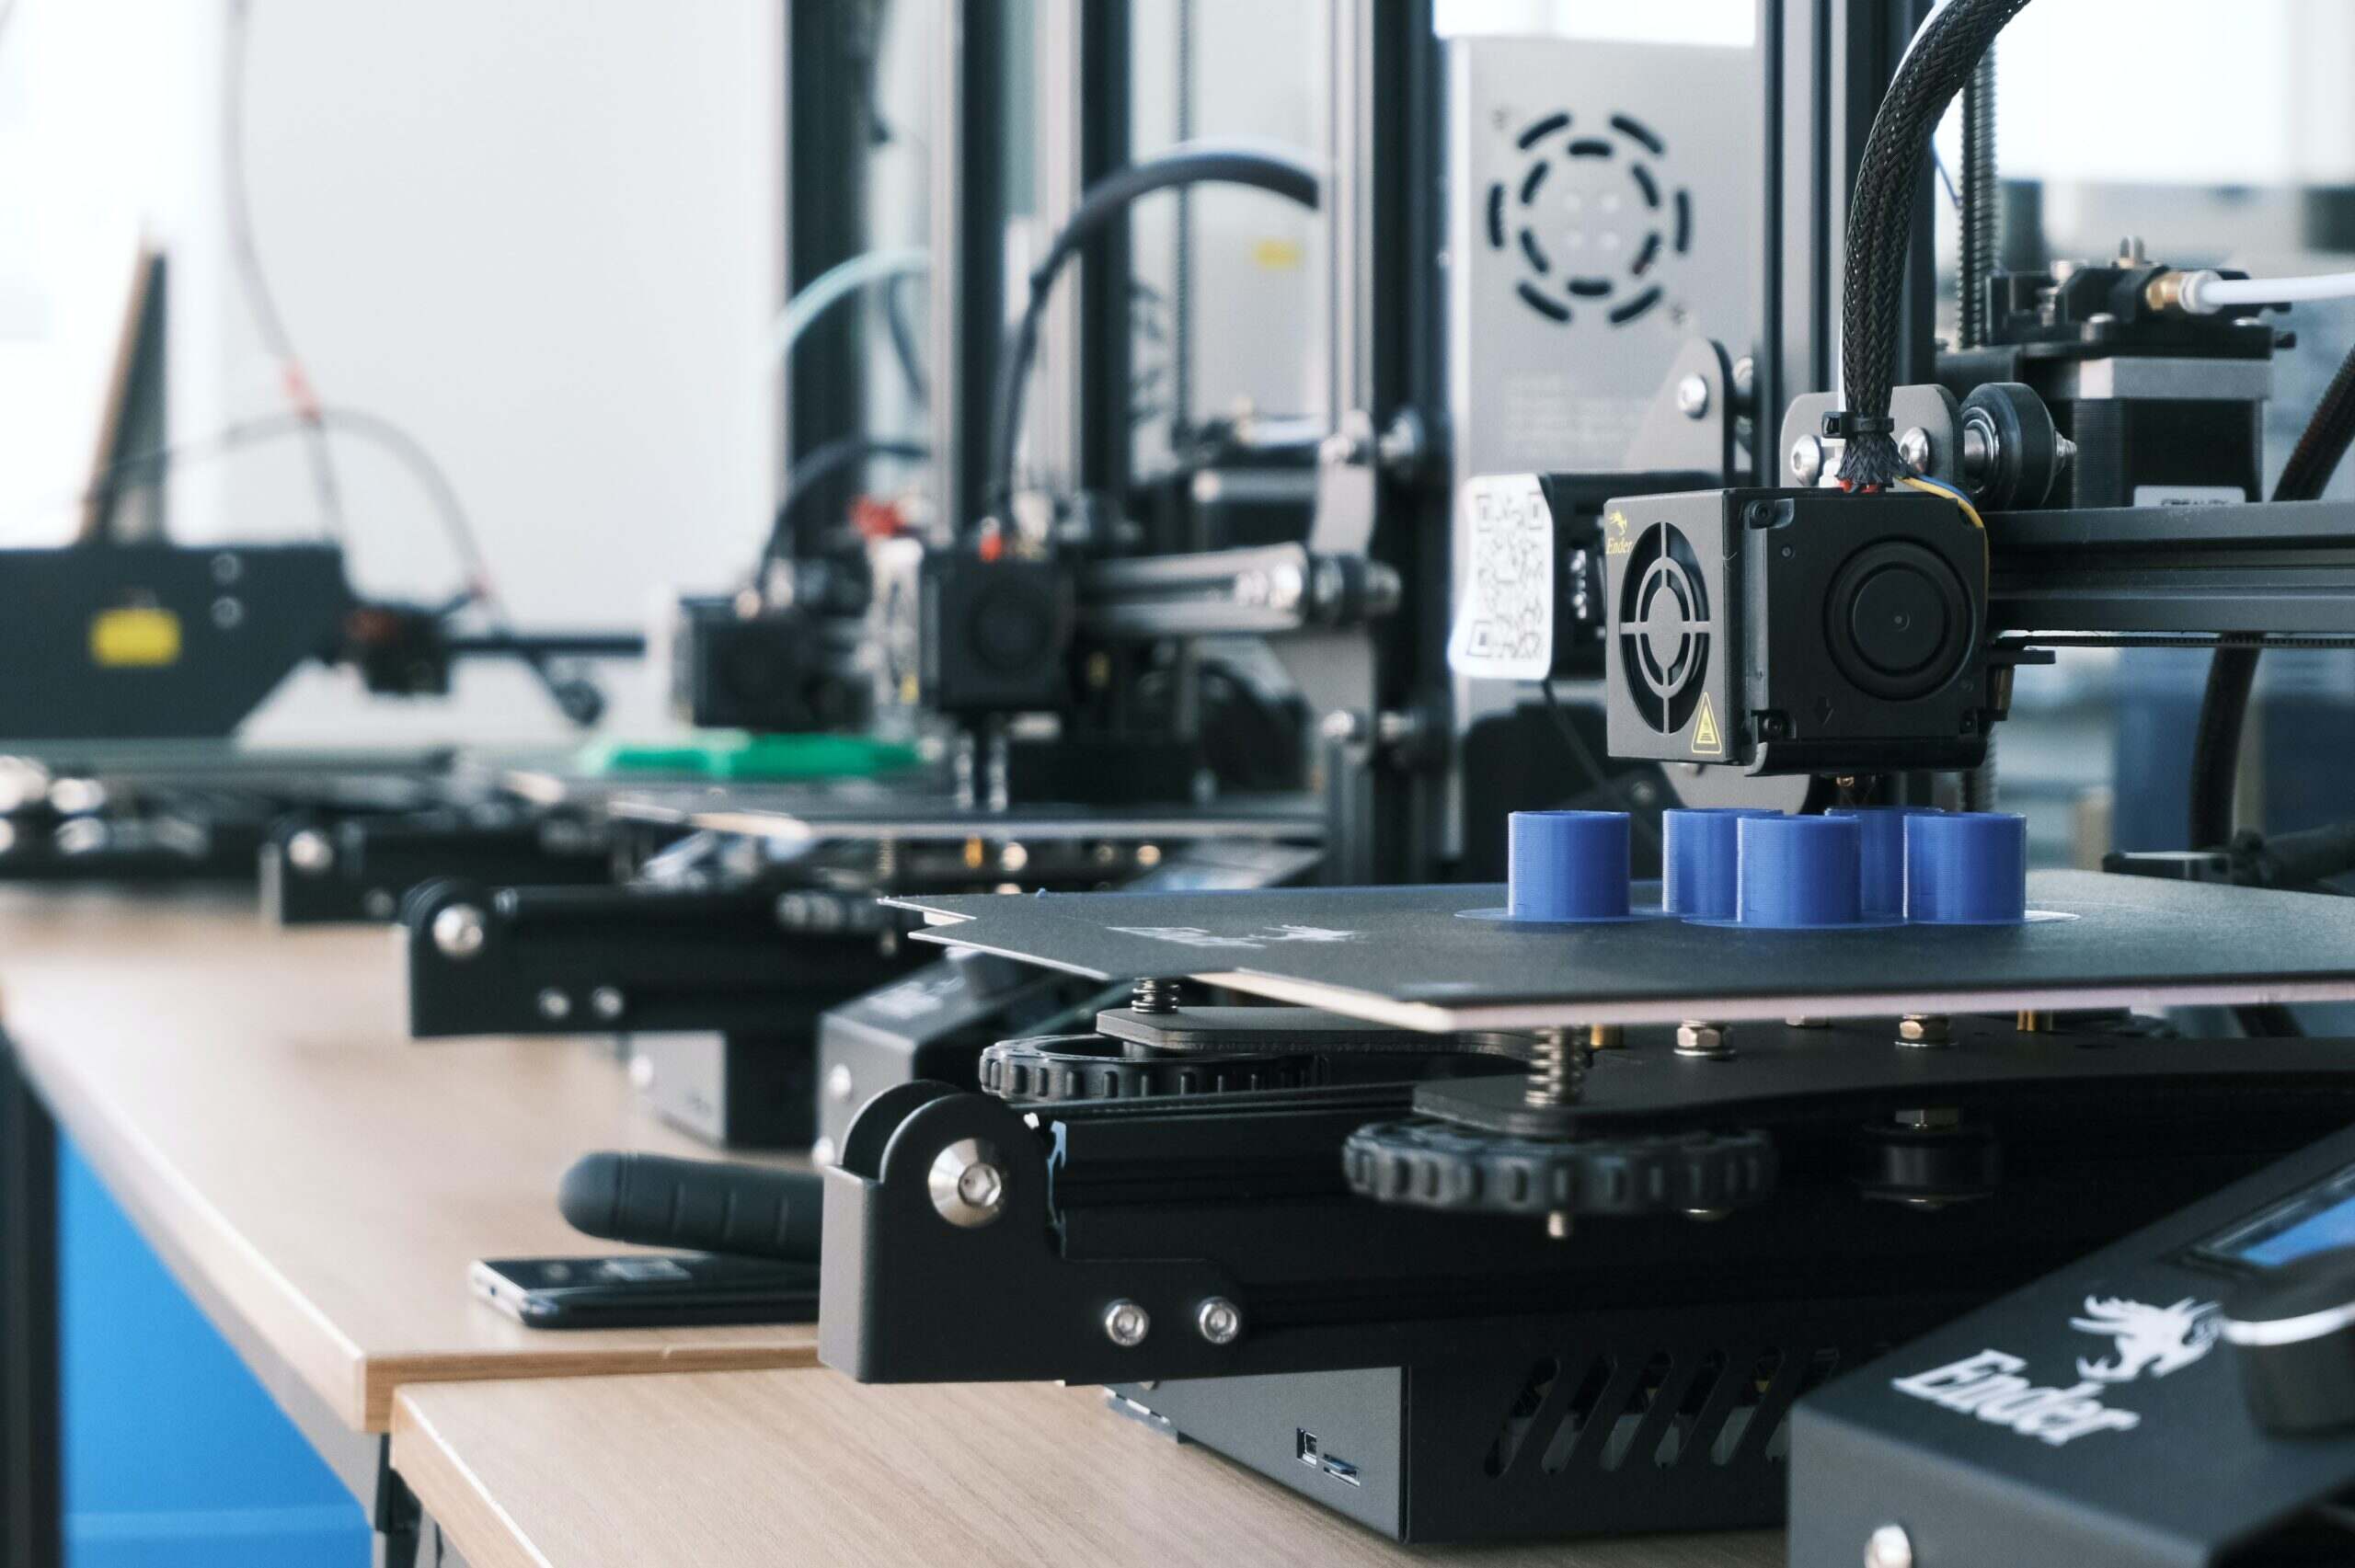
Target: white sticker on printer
{"x":2189,"y":495}
{"x":1504,"y":623}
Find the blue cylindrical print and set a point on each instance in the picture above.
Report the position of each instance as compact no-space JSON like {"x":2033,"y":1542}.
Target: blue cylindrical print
{"x":1701,"y":860}
{"x":1798,"y":871}
{"x":1966,"y":868}
{"x":1880,"y":864}
{"x":1568,"y":866}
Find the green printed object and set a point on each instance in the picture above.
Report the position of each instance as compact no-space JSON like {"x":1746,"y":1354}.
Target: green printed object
{"x":738,"y":754}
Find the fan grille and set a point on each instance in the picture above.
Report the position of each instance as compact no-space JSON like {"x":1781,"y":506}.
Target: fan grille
{"x":1664,"y":628}
{"x":1589,"y":218}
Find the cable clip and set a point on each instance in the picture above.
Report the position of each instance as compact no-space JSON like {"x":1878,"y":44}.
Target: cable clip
{"x":1847,"y":425}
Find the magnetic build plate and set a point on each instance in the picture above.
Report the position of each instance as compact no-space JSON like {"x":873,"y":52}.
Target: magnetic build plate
{"x":1399,"y":956}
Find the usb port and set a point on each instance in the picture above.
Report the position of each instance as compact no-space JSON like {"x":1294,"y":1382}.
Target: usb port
{"x":1305,"y":1445}
{"x":1347,"y":1473}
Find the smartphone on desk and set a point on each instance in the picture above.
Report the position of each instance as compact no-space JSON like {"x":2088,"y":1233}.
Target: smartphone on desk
{"x":648,"y":1290}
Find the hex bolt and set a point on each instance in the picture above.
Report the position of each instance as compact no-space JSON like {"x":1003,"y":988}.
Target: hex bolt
{"x":555,"y":1006}
{"x":309,"y":852}
{"x":459,"y":931}
{"x":1126,"y":1325}
{"x":1889,"y":1547}
{"x":966,"y":1184}
{"x":1343,"y":726}
{"x":1693,"y":398}
{"x":1924,"y":1031}
{"x":1913,"y":447}
{"x":1220,"y":1320}
{"x":606,"y":1002}
{"x":1701,"y":1039}
{"x":1158,"y":993}
{"x":838,"y":1084}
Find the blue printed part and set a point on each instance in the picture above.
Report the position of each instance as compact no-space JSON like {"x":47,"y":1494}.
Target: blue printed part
{"x":1799,"y":873}
{"x":1966,"y":868}
{"x":1568,"y":866}
{"x":1880,"y":867}
{"x":1701,"y":860}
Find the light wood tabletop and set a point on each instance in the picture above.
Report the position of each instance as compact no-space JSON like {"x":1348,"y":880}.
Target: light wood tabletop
{"x":759,"y":1470}
{"x":318,"y":1181}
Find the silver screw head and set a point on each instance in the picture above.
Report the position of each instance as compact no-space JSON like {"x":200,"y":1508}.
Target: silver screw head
{"x":1220,"y":1320}
{"x":606,"y":1002}
{"x":1698,"y":1039}
{"x":1126,"y":1325}
{"x":1807,"y":460}
{"x":1286,"y":588}
{"x":1925,"y":1029}
{"x":310,"y":851}
{"x":378,"y":904}
{"x":966,"y":1184}
{"x":1889,"y":1547}
{"x":459,"y":930}
{"x":1913,"y":446}
{"x":838,"y":1082}
{"x":555,"y":1006}
{"x":1693,"y":398}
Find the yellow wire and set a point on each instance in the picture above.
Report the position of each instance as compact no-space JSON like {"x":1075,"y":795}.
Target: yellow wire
{"x":1929,"y":490}
{"x":1986,"y":547}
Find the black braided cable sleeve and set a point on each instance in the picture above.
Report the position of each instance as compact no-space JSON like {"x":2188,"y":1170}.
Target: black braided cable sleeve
{"x":1895,"y":159}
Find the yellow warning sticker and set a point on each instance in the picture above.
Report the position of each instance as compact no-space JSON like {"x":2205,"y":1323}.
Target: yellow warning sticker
{"x":1705,"y":738}
{"x":141,"y":638}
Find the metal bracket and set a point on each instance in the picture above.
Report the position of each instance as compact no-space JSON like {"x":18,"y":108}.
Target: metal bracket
{"x":573,"y":960}
{"x":318,"y":871}
{"x":1690,"y":426}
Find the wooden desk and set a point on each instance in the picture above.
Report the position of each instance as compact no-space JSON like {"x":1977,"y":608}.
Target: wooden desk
{"x":315,"y":1180}
{"x":759,"y":1469}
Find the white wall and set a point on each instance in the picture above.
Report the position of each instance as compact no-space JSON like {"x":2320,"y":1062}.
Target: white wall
{"x":541,"y":235}
{"x":2180,"y":92}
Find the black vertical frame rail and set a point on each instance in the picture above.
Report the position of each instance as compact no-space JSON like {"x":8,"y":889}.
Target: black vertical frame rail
{"x":829,"y":131}
{"x":31,"y":1489}
{"x":1105,"y":278}
{"x":968,"y":253}
{"x":1404,"y":345}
